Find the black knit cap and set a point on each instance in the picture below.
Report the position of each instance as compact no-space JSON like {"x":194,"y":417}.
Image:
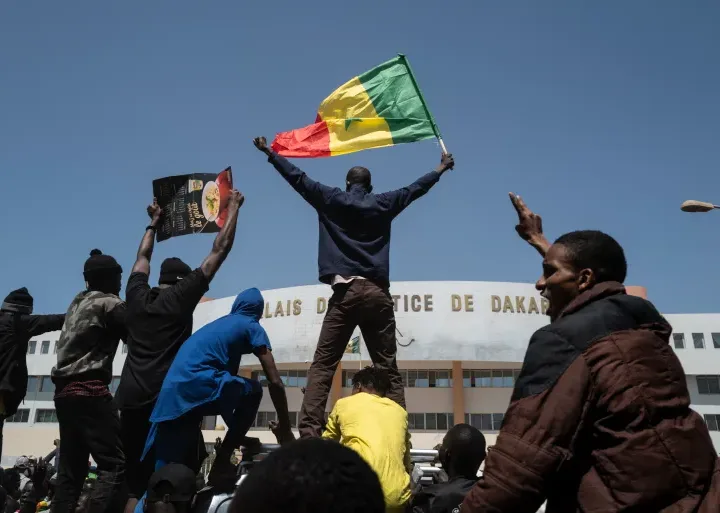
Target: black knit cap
{"x":99,"y":264}
{"x":19,"y":301}
{"x":173,"y":270}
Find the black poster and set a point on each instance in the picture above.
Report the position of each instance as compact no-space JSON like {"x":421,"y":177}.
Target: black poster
{"x":195,"y":203}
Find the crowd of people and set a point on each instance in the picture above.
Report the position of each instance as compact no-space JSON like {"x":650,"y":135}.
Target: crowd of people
{"x":599,"y":419}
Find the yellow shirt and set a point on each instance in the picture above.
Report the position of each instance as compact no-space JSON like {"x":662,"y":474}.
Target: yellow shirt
{"x":377,"y":429}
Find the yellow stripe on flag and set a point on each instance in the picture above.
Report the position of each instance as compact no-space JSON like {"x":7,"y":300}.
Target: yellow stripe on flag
{"x":348,"y":136}
{"x":352,"y":121}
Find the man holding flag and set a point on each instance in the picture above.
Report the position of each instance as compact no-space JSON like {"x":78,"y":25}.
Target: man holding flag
{"x":381,"y":107}
{"x":354,"y":260}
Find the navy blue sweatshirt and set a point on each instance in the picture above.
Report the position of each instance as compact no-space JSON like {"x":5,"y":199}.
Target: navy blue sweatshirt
{"x":354,"y":225}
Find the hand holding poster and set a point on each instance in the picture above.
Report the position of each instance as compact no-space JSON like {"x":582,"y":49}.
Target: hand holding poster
{"x":195,"y":203}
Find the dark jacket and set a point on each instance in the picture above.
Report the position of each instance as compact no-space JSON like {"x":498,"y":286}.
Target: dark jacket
{"x":354,"y":225}
{"x":600,"y":419}
{"x":442,"y":497}
{"x":15,"y":331}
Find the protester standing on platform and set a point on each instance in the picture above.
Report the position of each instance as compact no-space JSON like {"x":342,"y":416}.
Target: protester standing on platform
{"x":88,"y":417}
{"x":600,"y":416}
{"x":17,"y":327}
{"x":159,"y":320}
{"x":354,"y":258}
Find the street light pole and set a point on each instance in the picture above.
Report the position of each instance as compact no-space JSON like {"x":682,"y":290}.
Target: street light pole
{"x":697,"y":206}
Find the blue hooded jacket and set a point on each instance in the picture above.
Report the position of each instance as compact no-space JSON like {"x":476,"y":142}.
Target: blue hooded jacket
{"x":205,"y":369}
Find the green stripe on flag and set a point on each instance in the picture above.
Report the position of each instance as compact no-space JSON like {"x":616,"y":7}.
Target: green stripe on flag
{"x":396,"y":98}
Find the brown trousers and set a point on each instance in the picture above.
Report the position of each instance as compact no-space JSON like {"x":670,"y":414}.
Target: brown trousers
{"x":359,"y":303}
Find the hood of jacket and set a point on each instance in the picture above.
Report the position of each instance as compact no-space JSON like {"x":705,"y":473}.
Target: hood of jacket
{"x":249,"y":303}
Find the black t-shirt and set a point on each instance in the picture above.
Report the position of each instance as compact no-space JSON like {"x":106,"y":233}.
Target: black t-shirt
{"x":158,"y":322}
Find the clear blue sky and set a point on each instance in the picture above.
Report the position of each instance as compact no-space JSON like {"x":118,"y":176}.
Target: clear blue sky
{"x":603,"y":115}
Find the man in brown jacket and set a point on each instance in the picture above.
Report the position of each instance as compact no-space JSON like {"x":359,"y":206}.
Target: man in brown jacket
{"x":600,"y":417}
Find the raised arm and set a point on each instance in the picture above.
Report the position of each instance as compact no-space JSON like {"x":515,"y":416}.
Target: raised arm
{"x":144,"y":254}
{"x":39,"y":324}
{"x":398,"y":200}
{"x":281,"y":429}
{"x":529,"y":226}
{"x":314,"y":192}
{"x":224,"y":239}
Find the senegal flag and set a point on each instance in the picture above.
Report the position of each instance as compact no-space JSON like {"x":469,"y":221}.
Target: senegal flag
{"x":381,"y":107}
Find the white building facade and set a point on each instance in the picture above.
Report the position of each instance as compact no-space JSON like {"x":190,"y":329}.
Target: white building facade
{"x":460,"y":349}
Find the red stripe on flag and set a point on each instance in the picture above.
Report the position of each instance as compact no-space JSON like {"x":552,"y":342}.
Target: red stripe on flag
{"x":310,"y":142}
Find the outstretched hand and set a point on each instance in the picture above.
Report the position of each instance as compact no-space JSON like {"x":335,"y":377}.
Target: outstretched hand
{"x":236,"y":199}
{"x":283,"y":435}
{"x":446,"y":162}
{"x":154,"y":211}
{"x":261,"y":144}
{"x":529,"y":225}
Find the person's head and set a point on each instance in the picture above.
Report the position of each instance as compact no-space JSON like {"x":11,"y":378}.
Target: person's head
{"x":359,"y":176}
{"x":171,"y":489}
{"x":462,"y":451}
{"x":23,"y":465}
{"x":576,"y":262}
{"x":172,"y":270}
{"x":18,"y":301}
{"x":372,"y":381}
{"x":249,"y":303}
{"x":310,"y":476}
{"x":102,"y":273}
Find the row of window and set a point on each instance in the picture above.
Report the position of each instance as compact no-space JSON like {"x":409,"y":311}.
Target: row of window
{"x":41,"y":415}
{"x":698,"y":340}
{"x":44,"y":385}
{"x":263,"y":418}
{"x":45,"y":347}
{"x":416,"y":421}
{"x":472,"y":378}
{"x":290,"y":378}
{"x":678,"y":341}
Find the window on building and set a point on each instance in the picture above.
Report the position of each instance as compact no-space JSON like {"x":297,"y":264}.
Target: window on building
{"x":716,"y":340}
{"x":708,"y":384}
{"x":45,"y":347}
{"x":209,"y":422}
{"x":679,"y":340}
{"x":124,"y":349}
{"x":416,"y":421}
{"x":698,"y":340}
{"x":31,"y":347}
{"x":485,"y":421}
{"x":264,"y":418}
{"x":430,"y":421}
{"x":114,"y":384}
{"x":290,"y":378}
{"x":22,"y":415}
{"x":46,"y":385}
{"x":55,"y":348}
{"x":713,"y":421}
{"x":496,"y":378}
{"x":42,"y":415}
{"x":420,"y":378}
{"x":347,"y":377}
{"x":497,"y":420}
{"x":293,"y":419}
{"x":32,"y":385}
